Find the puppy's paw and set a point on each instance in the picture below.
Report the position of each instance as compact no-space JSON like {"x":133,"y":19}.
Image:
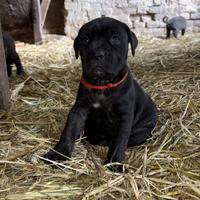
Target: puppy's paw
{"x":117,"y":167}
{"x":54,"y":156}
{"x":21,"y":73}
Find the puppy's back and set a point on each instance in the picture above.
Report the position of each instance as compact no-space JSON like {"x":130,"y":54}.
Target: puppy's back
{"x":9,"y":44}
{"x":178,"y":23}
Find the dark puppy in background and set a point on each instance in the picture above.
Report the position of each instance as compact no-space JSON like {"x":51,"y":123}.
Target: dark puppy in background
{"x":11,"y":55}
{"x":175,"y":25}
{"x":110,"y":106}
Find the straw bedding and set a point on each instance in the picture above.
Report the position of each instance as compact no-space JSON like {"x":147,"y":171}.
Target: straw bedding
{"x":167,"y":167}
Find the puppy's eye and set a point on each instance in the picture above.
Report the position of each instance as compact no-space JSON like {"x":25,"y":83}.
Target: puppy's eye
{"x":85,"y":40}
{"x":115,"y":39}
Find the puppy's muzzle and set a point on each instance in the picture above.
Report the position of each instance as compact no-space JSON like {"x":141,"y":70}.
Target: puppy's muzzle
{"x":96,"y":66}
{"x":99,"y":55}
{"x":96,"y":63}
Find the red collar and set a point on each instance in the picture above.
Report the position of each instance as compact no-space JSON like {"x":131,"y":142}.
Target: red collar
{"x":102,"y":87}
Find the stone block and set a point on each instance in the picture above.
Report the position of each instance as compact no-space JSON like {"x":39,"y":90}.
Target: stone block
{"x":195,"y":16}
{"x":185,"y":15}
{"x":146,"y":18}
{"x":124,"y":18}
{"x":85,"y":6}
{"x":140,"y":33}
{"x":131,"y":10}
{"x":157,"y":2}
{"x":173,"y":10}
{"x":121,"y":3}
{"x":191,"y":8}
{"x":93,"y":13}
{"x":153,"y":24}
{"x":197,"y":23}
{"x":71,"y":5}
{"x":154,"y":9}
{"x":138,"y":25}
{"x":133,"y":3}
{"x":158,"y":17}
{"x":157,"y":32}
{"x":95,"y":5}
{"x":162,"y":24}
{"x":134,"y":19}
{"x":141,"y":8}
{"x":71,"y":31}
{"x":189,"y":30}
{"x":137,"y":2}
{"x":184,"y":2}
{"x":90,"y":1}
{"x":76,"y":18}
{"x":196,"y":29}
{"x":108,"y":4}
{"x":190,"y":23}
{"x":107,"y":12}
{"x":118,"y":12}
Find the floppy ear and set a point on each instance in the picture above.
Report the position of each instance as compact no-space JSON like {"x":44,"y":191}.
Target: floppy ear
{"x":132,"y":39}
{"x":134,"y":42}
{"x":76,"y":46}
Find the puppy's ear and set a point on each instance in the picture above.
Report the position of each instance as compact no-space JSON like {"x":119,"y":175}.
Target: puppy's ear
{"x":132,"y":39}
{"x":134,"y":42}
{"x":76,"y":46}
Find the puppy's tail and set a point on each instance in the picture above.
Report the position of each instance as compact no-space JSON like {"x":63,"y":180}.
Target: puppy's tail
{"x":165,"y":19}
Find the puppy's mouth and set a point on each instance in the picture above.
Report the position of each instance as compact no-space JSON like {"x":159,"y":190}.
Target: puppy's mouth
{"x":96,"y":74}
{"x":99,"y":78}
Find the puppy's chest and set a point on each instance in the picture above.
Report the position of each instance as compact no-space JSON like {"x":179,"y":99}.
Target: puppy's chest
{"x":102,"y":99}
{"x":103,"y":102}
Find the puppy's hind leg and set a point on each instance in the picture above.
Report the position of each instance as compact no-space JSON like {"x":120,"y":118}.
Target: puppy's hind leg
{"x":183,"y":32}
{"x":175,"y":33}
{"x":139,"y":136}
{"x":18,"y":64}
{"x":9,"y":70}
{"x":168,"y":33}
{"x":141,"y":133}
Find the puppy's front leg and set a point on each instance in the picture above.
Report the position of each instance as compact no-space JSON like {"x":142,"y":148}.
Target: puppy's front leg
{"x":75,"y":124}
{"x":116,"y":152}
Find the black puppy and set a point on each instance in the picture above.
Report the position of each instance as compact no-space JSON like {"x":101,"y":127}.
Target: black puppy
{"x":111,"y":108}
{"x":11,"y":55}
{"x":175,"y":24}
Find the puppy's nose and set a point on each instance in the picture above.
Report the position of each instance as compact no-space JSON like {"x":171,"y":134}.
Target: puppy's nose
{"x":99,"y":54}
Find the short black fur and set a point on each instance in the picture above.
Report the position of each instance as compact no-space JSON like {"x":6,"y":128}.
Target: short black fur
{"x":12,"y":56}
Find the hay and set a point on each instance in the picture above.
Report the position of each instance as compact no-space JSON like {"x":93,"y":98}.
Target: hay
{"x":167,"y":167}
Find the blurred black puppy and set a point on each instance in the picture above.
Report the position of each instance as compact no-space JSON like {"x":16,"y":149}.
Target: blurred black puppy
{"x":110,"y":106}
{"x":175,"y":24}
{"x":11,"y":55}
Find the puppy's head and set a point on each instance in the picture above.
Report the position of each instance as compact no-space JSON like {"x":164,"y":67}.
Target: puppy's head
{"x":103,"y":47}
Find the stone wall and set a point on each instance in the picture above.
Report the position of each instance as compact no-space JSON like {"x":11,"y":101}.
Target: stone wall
{"x":144,"y":16}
